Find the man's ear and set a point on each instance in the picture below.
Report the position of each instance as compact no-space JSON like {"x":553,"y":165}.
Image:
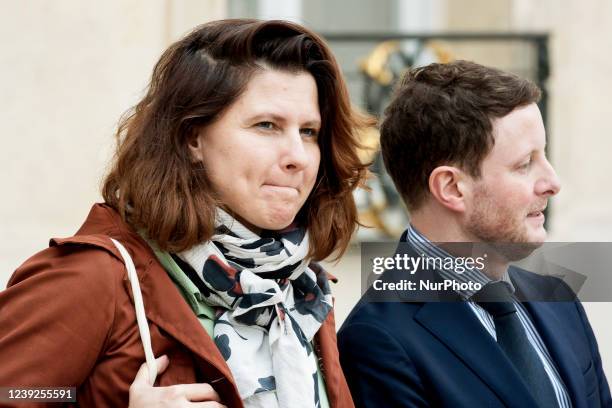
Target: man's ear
{"x":195,"y":143}
{"x":447,"y":186}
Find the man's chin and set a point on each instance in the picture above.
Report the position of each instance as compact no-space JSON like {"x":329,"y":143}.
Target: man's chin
{"x":537,"y":236}
{"x":515,"y":251}
{"x":521,"y":246}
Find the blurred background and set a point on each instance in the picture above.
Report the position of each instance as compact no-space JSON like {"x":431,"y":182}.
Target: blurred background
{"x":69,"y":69}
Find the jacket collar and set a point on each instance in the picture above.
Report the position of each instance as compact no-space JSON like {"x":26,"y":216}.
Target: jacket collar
{"x":452,"y":322}
{"x":327,"y":352}
{"x":455,"y":325}
{"x":164,"y":305}
{"x":178,"y":320}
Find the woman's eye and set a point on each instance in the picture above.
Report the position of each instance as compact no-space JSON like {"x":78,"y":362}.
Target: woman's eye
{"x":265,"y":125}
{"x":310,"y":132}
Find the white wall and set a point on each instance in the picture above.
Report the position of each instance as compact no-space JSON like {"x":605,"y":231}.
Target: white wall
{"x":69,"y":69}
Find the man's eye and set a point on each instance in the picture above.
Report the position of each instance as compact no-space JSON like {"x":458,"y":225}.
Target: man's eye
{"x":525,"y":165}
{"x":265,"y":125}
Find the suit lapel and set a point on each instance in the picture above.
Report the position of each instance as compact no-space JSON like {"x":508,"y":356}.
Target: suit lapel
{"x":550,"y":327}
{"x":547,"y":321}
{"x":455,"y":325}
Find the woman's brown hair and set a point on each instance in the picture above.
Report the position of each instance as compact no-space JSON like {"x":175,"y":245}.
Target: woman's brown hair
{"x":153,"y":177}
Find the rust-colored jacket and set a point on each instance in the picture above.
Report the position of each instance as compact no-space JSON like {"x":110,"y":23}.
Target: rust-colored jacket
{"x":67,"y":319}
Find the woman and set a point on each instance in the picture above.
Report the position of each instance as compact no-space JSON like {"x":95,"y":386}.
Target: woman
{"x":232,"y":175}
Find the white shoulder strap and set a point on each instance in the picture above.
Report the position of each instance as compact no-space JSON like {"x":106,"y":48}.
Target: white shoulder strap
{"x":141,"y":318}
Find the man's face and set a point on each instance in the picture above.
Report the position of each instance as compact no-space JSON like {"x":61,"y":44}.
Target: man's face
{"x":506,"y":203}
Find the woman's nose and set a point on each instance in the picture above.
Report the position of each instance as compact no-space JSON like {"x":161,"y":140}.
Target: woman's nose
{"x":294,"y":155}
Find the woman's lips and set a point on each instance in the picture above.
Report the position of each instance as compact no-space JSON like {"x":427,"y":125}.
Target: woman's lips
{"x":278,"y":189}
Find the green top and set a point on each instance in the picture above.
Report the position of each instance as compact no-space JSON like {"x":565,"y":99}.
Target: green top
{"x":205,"y":313}
{"x":191,"y":293}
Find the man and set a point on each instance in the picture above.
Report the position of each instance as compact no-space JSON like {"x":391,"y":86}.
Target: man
{"x":465,"y":146}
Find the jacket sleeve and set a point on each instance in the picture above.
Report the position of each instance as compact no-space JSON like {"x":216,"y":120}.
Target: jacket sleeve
{"x":378,"y":370}
{"x":604,"y":388}
{"x":55,"y":317}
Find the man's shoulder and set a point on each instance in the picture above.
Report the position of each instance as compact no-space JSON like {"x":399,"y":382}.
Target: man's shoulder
{"x":533,"y":286}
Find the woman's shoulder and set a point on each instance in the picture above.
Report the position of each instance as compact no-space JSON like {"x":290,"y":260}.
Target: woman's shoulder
{"x":62,"y":299}
{"x":88,"y":258}
{"x":68,"y":259}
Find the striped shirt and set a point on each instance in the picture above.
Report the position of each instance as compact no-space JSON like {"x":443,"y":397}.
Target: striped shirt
{"x":426,"y":247}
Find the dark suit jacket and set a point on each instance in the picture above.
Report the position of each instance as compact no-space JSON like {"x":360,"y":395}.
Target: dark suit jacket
{"x":411,"y":353}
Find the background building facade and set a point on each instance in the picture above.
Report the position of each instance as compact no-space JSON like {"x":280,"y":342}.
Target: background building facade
{"x":69,"y":69}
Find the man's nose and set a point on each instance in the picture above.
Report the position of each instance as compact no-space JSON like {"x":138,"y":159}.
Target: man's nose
{"x":549,"y":184}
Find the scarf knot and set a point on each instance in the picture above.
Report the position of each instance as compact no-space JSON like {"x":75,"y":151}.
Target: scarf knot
{"x":271,"y":305}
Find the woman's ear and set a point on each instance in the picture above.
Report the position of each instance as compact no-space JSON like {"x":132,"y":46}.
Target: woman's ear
{"x":195,"y":143}
{"x":447,"y":186}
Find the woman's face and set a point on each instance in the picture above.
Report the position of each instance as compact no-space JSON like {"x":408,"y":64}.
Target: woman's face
{"x":262,"y":154}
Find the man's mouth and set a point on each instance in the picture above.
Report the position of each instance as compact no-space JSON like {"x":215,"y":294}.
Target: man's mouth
{"x":539,"y":212}
{"x":535,"y":214}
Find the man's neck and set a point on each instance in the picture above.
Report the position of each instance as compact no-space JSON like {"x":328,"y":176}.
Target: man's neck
{"x":438,"y":226}
{"x":440,"y":229}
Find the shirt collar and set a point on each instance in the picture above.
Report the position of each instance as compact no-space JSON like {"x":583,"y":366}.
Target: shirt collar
{"x":424,"y":246}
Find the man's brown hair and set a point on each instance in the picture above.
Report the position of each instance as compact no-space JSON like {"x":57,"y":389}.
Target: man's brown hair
{"x":442,"y":114}
{"x":153,"y":182}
